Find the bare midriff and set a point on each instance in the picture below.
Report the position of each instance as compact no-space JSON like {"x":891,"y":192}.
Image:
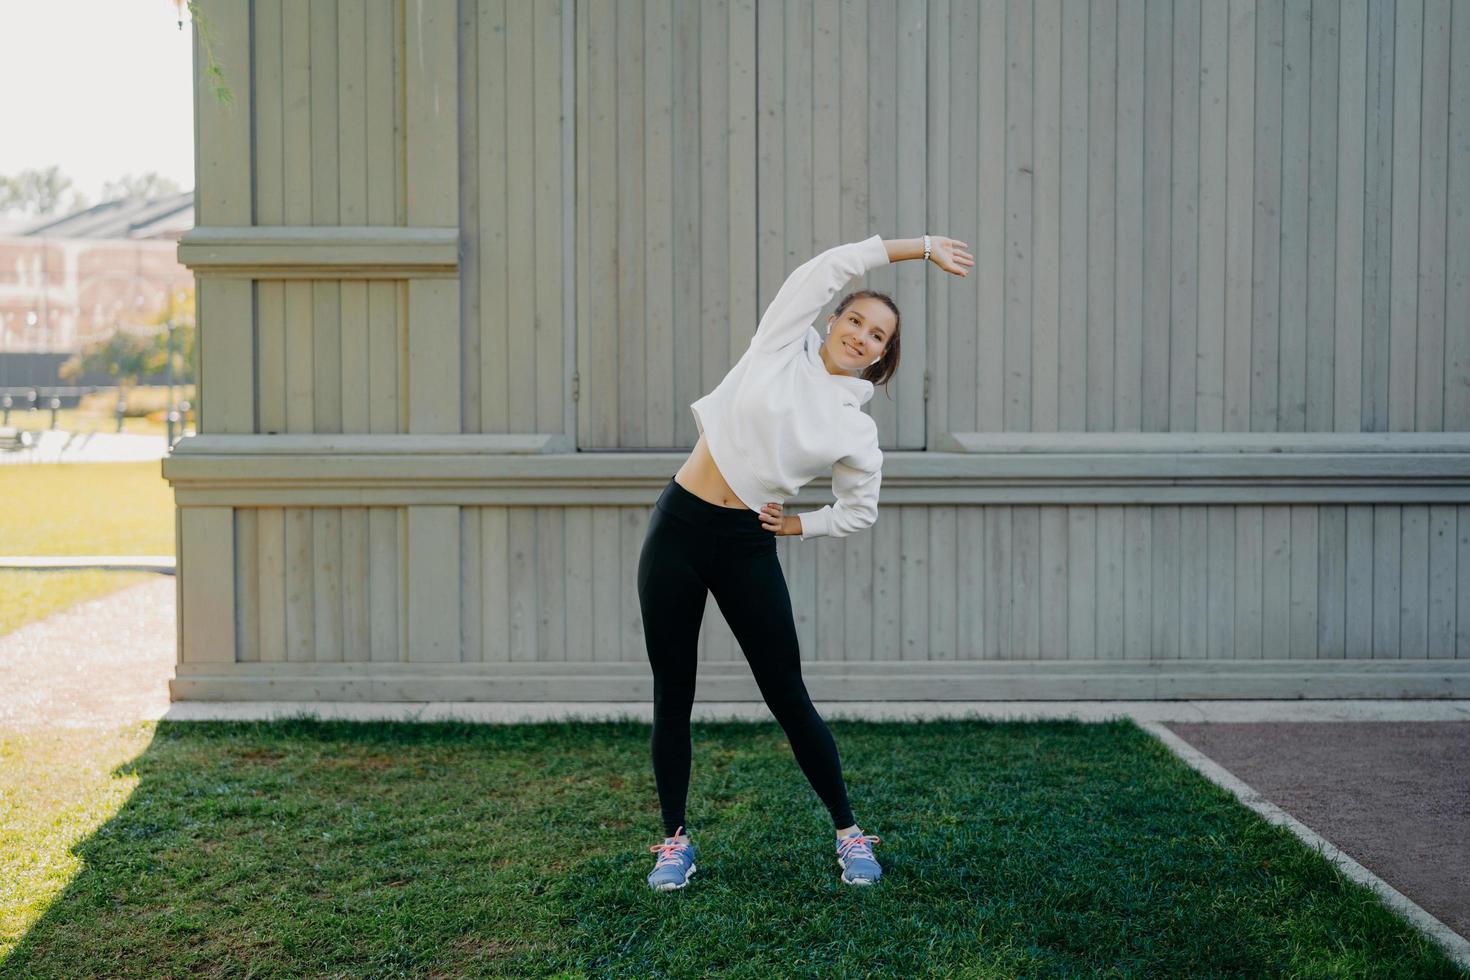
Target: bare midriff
{"x":701,"y":477}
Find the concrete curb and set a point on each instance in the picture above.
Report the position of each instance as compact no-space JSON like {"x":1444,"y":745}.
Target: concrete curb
{"x":1455,"y":945}
{"x":123,"y":563}
{"x":509,"y":712}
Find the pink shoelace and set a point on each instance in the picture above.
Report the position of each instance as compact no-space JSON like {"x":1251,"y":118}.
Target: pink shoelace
{"x":858,"y":845}
{"x":668,"y":852}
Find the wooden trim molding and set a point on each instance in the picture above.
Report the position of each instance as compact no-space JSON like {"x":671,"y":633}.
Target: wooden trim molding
{"x":906,"y":680}
{"x":540,"y":468}
{"x":307,"y":252}
{"x":1202,"y":442}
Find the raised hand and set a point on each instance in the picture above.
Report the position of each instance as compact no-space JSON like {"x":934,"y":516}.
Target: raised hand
{"x":950,"y":255}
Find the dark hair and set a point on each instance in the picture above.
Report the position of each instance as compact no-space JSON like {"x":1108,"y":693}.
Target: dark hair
{"x":883,"y":370}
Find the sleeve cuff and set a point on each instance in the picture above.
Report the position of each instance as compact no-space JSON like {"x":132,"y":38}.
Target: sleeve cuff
{"x":816,"y":523}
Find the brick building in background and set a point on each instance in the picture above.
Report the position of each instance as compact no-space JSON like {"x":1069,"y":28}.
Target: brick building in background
{"x":68,"y":281}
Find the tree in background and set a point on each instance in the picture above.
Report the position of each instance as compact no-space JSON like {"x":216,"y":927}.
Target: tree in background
{"x":130,"y":354}
{"x":140,"y":186}
{"x":39,"y":192}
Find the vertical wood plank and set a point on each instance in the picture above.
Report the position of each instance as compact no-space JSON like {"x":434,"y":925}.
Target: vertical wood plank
{"x":1457,"y":238}
{"x":829,"y":610}
{"x":1221,"y":578}
{"x":552,"y":611}
{"x":300,"y":599}
{"x":1046,"y":213}
{"x":1304,"y":592}
{"x":1194,"y":585}
{"x":549,"y":404}
{"x":247,"y":593}
{"x":1403,"y":266}
{"x":1111,"y":583}
{"x":943,"y":582}
{"x":433,"y":583}
{"x":1321,"y":234}
{"x":743,"y":198}
{"x":1081,"y":583}
{"x":1429,"y":379}
{"x":1053,"y":593}
{"x":1265,"y":321}
{"x":1296,"y":129}
{"x":1184,"y":227}
{"x":1025,"y":582}
{"x":1378,"y":126}
{"x":495,"y":579}
{"x":1138,"y":596}
{"x":1019,"y":190}
{"x":270,"y":545}
{"x":634,"y":521}
{"x":687,"y":222}
{"x":326,"y":583}
{"x":1414,"y":582}
{"x":606,"y":590}
{"x":913,"y":563}
{"x":1209,"y":388}
{"x":1248,"y":543}
{"x":1166,"y":577}
{"x":1442,"y":575}
{"x":1360,"y":585}
{"x":578,"y":576}
{"x":887,"y":540}
{"x":1239,"y":228}
{"x":1349,"y":306}
{"x":207,"y":574}
{"x":1387,"y":536}
{"x":857,"y":580}
{"x":1102,"y":182}
{"x":1332,"y":570}
{"x":970,"y":554}
{"x":1128,"y":281}
{"x":381,"y":83}
{"x":385,"y":583}
{"x":357,"y":642}
{"x":1276,"y":564}
{"x":1462,"y":559}
{"x":999,"y":608}
{"x":632,"y":231}
{"x":1072,"y":313}
{"x":1157,"y":258}
{"x":990,"y":250}
{"x":522,"y":620}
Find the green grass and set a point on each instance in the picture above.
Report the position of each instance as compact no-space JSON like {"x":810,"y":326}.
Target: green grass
{"x":78,"y":509}
{"x":86,"y":509}
{"x":1009,"y":848}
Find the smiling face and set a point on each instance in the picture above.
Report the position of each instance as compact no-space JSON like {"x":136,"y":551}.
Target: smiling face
{"x":859,"y":336}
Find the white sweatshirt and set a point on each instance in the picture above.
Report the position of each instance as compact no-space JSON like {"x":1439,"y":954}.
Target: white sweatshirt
{"x":779,"y":418}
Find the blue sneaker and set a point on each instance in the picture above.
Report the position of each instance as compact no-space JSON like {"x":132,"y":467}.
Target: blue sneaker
{"x":675,"y":863}
{"x":855,"y":854}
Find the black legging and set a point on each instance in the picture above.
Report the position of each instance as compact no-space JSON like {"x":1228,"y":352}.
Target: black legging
{"x":694,"y":547}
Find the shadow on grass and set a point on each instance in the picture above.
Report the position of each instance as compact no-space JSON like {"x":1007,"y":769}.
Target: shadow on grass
{"x":385,"y":849}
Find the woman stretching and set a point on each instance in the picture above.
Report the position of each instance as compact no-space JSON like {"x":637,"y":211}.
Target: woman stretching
{"x":788,"y":411}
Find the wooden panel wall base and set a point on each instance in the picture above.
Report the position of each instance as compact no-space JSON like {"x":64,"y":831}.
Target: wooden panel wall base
{"x":831,"y":681}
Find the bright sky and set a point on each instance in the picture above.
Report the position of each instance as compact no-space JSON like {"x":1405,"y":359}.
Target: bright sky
{"x":100,"y":88}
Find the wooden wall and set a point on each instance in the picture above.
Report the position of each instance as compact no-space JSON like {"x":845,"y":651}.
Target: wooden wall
{"x":1201,"y":216}
{"x":1197,"y":424}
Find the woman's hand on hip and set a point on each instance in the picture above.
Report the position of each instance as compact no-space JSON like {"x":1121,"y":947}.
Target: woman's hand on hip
{"x":775,"y":521}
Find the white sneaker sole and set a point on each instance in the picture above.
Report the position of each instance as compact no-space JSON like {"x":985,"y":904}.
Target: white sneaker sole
{"x":668,"y":886}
